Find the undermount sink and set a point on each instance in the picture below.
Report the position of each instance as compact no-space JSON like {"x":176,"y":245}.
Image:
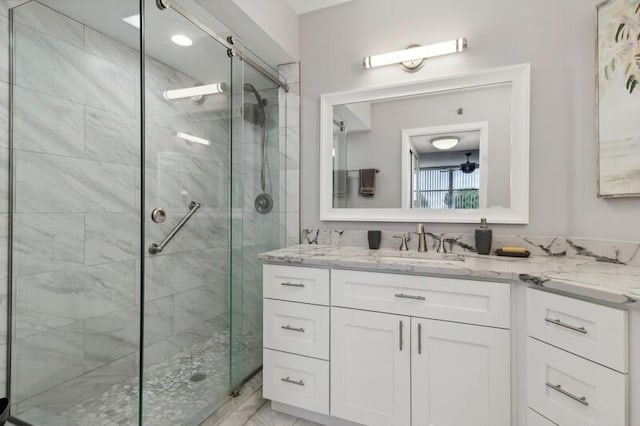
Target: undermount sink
{"x":409,"y":256}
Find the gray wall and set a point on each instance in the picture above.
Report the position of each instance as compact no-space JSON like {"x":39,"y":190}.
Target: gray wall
{"x":557,"y":38}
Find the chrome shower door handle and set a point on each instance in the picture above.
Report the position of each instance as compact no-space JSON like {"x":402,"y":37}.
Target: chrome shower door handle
{"x":157,"y":248}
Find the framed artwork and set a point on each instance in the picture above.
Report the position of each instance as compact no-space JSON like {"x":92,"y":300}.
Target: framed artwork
{"x":618,"y":87}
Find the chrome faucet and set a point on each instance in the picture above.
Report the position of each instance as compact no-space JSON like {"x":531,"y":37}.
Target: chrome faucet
{"x":422,"y":237}
{"x":403,"y":241}
{"x":442,"y":247}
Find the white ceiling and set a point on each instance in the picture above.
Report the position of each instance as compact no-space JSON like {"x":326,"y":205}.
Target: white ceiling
{"x":305,"y":6}
{"x":469,"y":141}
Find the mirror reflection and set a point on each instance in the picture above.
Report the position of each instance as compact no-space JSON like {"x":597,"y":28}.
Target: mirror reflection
{"x":443,"y":150}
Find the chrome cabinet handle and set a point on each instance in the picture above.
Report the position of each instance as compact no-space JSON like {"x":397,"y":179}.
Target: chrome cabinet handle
{"x":562,"y":324}
{"x":419,"y":338}
{"x":288,"y":284}
{"x":408,"y":296}
{"x":288,"y":327}
{"x":581,"y":399}
{"x":400,"y":335}
{"x":293,"y":382}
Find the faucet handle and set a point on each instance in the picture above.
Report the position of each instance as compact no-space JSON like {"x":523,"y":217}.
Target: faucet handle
{"x":451,"y":241}
{"x":403,"y":241}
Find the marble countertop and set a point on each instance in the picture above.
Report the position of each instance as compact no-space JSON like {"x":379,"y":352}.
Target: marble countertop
{"x":608,"y":282}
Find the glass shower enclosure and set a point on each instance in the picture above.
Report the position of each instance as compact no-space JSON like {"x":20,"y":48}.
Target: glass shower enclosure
{"x":145,"y":178}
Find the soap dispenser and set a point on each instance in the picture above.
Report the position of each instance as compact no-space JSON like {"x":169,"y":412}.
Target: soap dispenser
{"x":483,"y":237}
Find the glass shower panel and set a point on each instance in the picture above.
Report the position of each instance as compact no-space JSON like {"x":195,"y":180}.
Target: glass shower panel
{"x":186,"y":315}
{"x":258,"y":197}
{"x":75,"y":148}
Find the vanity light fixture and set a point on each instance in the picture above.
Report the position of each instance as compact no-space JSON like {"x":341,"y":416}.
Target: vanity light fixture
{"x":413,"y":57}
{"x":445,"y":142}
{"x":196,"y":93}
{"x":182,"y":40}
{"x":190,"y":138}
{"x":133,"y":20}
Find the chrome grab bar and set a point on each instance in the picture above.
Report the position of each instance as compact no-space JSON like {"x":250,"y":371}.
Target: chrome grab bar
{"x":293,"y":382}
{"x":157,"y":248}
{"x":565,"y":325}
{"x":581,"y":399}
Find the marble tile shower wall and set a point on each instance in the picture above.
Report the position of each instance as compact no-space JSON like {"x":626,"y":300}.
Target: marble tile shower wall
{"x":76,"y":251}
{"x":291,"y":148}
{"x":4,"y":187}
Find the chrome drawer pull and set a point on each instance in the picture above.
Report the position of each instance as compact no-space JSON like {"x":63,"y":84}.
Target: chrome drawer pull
{"x":581,"y":399}
{"x":293,"y":382}
{"x":288,"y":284}
{"x":570,"y":327}
{"x":408,"y":296}
{"x":288,"y":327}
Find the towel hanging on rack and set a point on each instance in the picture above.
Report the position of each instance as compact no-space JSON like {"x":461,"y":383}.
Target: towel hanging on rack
{"x":367,"y":182}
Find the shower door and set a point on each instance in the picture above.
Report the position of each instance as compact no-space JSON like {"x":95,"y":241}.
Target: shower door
{"x":75,"y":150}
{"x":214,"y":148}
{"x":143,"y":187}
{"x":186,"y":279}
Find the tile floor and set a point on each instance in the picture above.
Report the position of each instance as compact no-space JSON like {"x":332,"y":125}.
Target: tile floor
{"x":256,"y":411}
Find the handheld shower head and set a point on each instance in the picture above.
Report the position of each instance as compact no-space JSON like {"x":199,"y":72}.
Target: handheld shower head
{"x":248,"y":87}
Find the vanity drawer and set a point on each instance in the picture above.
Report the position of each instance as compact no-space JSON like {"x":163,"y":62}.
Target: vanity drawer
{"x":297,"y":328}
{"x":473,"y":302}
{"x":572,"y":391}
{"x":535,"y":419}
{"x":593,"y":331}
{"x":298,"y":284}
{"x":296,"y":380}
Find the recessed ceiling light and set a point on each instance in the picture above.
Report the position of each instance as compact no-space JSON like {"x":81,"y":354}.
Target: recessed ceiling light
{"x":182,"y":40}
{"x":133,"y":20}
{"x":445,"y":142}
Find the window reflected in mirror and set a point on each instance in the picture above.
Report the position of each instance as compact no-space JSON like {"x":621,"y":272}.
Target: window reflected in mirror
{"x":445,"y":171}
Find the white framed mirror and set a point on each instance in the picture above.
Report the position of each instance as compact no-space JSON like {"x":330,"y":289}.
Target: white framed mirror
{"x":452,"y":149}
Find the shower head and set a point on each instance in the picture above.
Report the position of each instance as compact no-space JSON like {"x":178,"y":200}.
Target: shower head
{"x":254,"y":113}
{"x":248,"y":87}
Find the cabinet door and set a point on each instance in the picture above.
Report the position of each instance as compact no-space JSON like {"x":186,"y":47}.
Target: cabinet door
{"x":370,"y":367}
{"x":460,"y":374}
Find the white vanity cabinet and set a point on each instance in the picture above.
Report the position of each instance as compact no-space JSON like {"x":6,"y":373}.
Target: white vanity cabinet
{"x":401,"y":349}
{"x":370,"y":367}
{"x":459,"y":374}
{"x":577,"y":360}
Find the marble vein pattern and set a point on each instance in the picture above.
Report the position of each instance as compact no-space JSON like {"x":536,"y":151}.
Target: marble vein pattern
{"x":606,"y":251}
{"x":605,"y":281}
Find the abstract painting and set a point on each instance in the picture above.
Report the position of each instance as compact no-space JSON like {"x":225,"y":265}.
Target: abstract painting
{"x":618,"y":61}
